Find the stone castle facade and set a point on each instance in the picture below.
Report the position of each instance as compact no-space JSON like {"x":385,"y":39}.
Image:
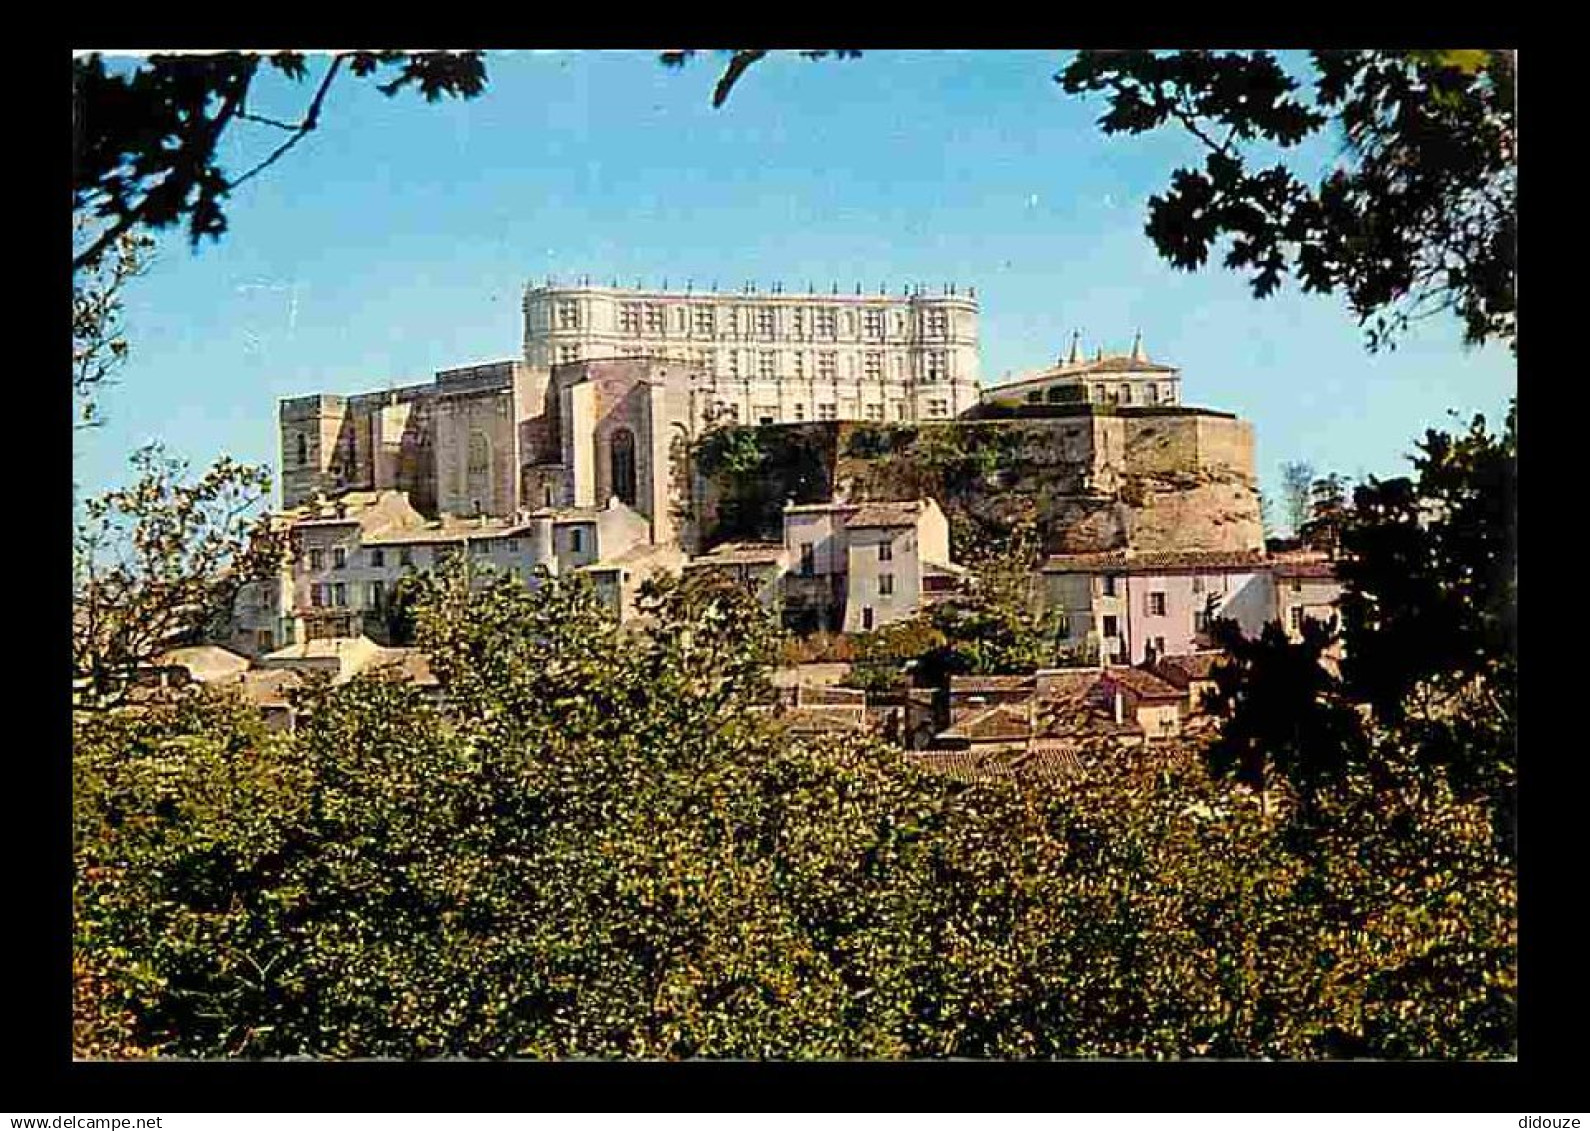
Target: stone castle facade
{"x":776,"y":358}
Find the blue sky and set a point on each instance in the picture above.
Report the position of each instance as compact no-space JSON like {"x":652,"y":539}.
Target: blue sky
{"x":397,"y":239}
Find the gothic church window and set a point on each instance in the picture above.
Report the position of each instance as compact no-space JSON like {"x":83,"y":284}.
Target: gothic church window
{"x":623,"y":460}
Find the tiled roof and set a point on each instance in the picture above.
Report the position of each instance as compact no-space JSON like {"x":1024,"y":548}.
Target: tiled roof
{"x":1001,"y":722}
{"x":1182,"y":670}
{"x":886,"y":514}
{"x":961,"y":765}
{"x":1066,"y":681}
{"x":1048,"y":759}
{"x":1305,"y":569}
{"x":741,"y":553}
{"x":819,"y":508}
{"x":1145,"y":685}
{"x":825,"y":720}
{"x":204,"y":662}
{"x":982,"y":684}
{"x":1118,"y":561}
{"x":409,"y":663}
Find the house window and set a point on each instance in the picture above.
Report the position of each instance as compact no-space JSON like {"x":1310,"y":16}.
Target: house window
{"x":866,"y":618}
{"x":339,"y":595}
{"x":808,"y":559}
{"x":872,"y":324}
{"x":734,"y":364}
{"x":731,"y":322}
{"x":654,"y":319}
{"x":1159,"y":645}
{"x":899,"y":410}
{"x":1297,"y":585}
{"x":1111,"y":627}
{"x":704,"y":321}
{"x":798,"y":322}
{"x":827,"y":365}
{"x":1156,"y":604}
{"x":935,"y":365}
{"x":482,"y":548}
{"x":406,"y":556}
{"x":1109,"y":585}
{"x":800,"y":411}
{"x":1153,"y":393}
{"x":827,"y":324}
{"x":577,"y":540}
{"x":798,"y":365}
{"x":513,"y":545}
{"x":1297,"y":618}
{"x":1098,"y":394}
{"x":825,"y":412}
{"x":938,"y":408}
{"x":629,"y":318}
{"x":317,"y":559}
{"x":1200,"y":621}
{"x":568,"y":355}
{"x":872,"y":366}
{"x":1126,"y":394}
{"x":317,"y":596}
{"x":377,"y":594}
{"x":568,"y":315}
{"x":1063,"y":625}
{"x":764,"y":321}
{"x":885,"y":551}
{"x":1034,"y":397}
{"x":1197,"y":584}
{"x":885,"y":584}
{"x":303,"y":450}
{"x":874,"y":412}
{"x":765,"y":365}
{"x":339,"y":558}
{"x":938,"y":323}
{"x":766,"y":414}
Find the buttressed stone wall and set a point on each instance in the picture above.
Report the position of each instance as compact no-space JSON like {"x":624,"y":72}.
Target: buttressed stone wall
{"x":1090,"y":481}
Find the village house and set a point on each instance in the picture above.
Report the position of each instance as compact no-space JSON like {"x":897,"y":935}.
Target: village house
{"x":860,"y":566}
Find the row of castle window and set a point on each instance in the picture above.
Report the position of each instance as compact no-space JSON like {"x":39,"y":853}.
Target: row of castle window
{"x":729,"y":413}
{"x":761,"y":321}
{"x":936,"y":366}
{"x":1102,"y":394}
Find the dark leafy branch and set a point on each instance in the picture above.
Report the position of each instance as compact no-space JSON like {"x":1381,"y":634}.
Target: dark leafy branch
{"x":1419,"y":216}
{"x":147,"y":141}
{"x":740,"y":61}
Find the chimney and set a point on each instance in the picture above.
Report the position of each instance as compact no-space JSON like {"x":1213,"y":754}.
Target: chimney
{"x":1137,"y":348}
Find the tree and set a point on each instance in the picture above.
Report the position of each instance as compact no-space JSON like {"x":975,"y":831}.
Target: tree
{"x":1327,"y":513}
{"x":599,"y":846}
{"x":1417,"y":216}
{"x":997,"y":625}
{"x":147,"y":142}
{"x":99,"y":347}
{"x":1284,"y":715}
{"x":1295,"y":481}
{"x":160,"y":563}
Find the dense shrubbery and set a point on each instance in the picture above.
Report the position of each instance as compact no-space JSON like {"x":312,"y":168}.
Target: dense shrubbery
{"x":599,"y":849}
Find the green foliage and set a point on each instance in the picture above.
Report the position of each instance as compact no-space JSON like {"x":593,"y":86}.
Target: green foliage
{"x":1420,"y":215}
{"x":600,"y":848}
{"x":1285,"y":712}
{"x":160,"y":563}
{"x":99,"y":347}
{"x":883,"y":656}
{"x":147,"y":142}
